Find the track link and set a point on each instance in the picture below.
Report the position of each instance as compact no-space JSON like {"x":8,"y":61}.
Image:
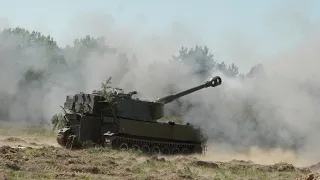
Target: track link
{"x":67,"y":140}
{"x":152,"y":146}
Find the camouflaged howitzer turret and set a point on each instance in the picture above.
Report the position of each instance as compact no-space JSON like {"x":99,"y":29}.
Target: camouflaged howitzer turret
{"x":122,"y":122}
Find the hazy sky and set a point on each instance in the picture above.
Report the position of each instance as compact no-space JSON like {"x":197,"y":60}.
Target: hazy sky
{"x":250,"y":29}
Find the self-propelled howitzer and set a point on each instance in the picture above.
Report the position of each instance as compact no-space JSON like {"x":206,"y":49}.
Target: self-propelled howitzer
{"x":122,"y":122}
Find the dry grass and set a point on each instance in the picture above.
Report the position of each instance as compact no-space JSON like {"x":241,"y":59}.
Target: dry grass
{"x":96,"y":163}
{"x":41,"y":160}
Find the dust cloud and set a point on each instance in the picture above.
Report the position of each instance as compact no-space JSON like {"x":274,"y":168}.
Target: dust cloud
{"x":284,"y":102}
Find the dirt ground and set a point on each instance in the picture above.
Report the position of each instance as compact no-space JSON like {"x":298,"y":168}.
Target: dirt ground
{"x":33,"y":155}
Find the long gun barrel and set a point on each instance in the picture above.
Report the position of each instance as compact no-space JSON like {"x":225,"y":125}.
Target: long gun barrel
{"x":213,"y":82}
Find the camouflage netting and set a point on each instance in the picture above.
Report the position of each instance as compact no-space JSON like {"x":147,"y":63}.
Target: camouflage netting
{"x":106,"y":92}
{"x":59,"y":121}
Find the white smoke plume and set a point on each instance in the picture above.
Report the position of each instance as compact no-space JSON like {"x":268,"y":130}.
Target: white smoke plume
{"x":285,"y":102}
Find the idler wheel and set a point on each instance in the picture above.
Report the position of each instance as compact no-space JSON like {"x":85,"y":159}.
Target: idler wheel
{"x":62,"y":138}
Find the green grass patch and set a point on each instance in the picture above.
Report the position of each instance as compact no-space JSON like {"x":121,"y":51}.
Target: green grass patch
{"x":15,"y":129}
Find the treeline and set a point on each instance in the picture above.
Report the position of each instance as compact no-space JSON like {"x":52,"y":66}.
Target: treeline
{"x":31,"y":61}
{"x":57,"y":58}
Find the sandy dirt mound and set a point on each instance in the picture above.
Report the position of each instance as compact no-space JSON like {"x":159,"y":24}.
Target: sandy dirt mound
{"x":16,"y":141}
{"x":38,"y":156}
{"x":97,"y":163}
{"x":312,"y":176}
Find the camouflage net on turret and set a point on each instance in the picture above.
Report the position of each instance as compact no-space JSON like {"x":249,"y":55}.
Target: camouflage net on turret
{"x":107,"y":94}
{"x":59,"y":121}
{"x":105,"y":89}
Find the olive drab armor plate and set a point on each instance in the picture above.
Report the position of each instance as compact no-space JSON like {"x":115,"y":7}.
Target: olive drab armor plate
{"x":121,"y":121}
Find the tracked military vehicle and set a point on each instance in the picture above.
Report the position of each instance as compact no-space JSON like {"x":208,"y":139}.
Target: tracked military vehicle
{"x":122,"y":122}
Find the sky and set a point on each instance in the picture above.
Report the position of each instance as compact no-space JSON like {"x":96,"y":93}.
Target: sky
{"x":245,"y":32}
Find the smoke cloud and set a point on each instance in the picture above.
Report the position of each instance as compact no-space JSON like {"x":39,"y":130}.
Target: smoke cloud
{"x":284,"y":102}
